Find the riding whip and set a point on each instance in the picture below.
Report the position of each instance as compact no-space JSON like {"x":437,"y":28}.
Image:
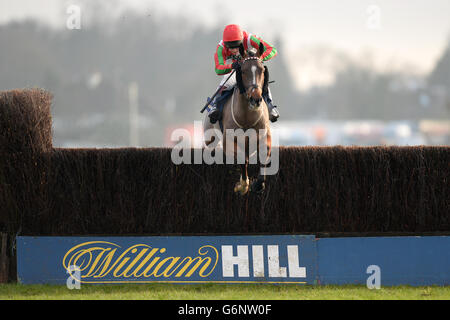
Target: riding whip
{"x":218,"y":90}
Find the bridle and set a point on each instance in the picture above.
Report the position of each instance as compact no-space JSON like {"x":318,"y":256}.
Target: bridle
{"x":253,"y":87}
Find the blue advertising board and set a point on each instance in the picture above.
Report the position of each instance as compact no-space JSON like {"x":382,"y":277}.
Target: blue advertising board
{"x":196,"y":259}
{"x":288,"y":259}
{"x":400,"y":260}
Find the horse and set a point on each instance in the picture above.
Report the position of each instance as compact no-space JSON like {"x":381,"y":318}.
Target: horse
{"x":246,"y":111}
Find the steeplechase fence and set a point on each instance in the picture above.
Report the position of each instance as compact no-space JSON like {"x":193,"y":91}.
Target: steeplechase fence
{"x":46,"y":191}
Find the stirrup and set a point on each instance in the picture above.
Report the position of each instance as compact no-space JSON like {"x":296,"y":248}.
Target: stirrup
{"x":213,"y":114}
{"x":274,"y":114}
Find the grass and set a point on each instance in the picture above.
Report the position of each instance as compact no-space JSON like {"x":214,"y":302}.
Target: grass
{"x":220,"y":292}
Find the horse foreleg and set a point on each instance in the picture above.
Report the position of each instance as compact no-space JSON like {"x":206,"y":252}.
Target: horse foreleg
{"x":259,"y":185}
{"x":244,"y":182}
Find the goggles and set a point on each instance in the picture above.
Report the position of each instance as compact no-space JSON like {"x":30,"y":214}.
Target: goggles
{"x":233,"y":44}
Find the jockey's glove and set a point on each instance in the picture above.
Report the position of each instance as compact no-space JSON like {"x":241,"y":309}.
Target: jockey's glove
{"x":235,"y":65}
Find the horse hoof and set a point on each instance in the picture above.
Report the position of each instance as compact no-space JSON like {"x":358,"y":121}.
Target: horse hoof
{"x":244,"y":191}
{"x":238,"y":188}
{"x":241,"y":188}
{"x":258,"y":188}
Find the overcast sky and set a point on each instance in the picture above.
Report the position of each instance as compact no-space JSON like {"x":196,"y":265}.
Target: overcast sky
{"x":394,"y":33}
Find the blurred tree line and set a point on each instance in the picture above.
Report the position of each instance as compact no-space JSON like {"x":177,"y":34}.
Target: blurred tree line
{"x":89,"y":71}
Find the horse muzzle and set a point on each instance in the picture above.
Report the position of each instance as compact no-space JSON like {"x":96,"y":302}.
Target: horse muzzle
{"x":254,"y":96}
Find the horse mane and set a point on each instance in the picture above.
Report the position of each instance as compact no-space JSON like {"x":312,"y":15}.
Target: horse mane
{"x":266,"y":80}
{"x":239,"y":82}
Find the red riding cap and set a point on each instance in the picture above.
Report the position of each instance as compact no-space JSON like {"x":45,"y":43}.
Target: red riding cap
{"x":232,"y":33}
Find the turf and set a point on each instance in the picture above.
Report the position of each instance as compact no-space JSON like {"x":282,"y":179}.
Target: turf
{"x":220,"y":292}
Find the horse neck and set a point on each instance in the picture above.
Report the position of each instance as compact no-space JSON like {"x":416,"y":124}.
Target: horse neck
{"x":242,"y":101}
{"x":243,"y":114}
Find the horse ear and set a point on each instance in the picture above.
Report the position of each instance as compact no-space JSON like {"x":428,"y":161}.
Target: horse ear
{"x":261,"y":48}
{"x":242,"y":50}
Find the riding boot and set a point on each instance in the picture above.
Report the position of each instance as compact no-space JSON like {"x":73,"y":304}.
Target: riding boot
{"x":216,"y":106}
{"x":213,"y":111}
{"x":274,"y":114}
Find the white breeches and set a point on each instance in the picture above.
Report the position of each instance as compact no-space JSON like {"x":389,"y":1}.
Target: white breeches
{"x":230,"y":83}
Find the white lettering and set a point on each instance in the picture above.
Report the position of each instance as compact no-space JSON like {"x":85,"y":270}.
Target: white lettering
{"x":258,"y":261}
{"x":73,"y":281}
{"x":241,"y":260}
{"x":183,"y":139}
{"x":295,"y":271}
{"x":275,"y":271}
{"x":74,"y":20}
{"x":374,"y":281}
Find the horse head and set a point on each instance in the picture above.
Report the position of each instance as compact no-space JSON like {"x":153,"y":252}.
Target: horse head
{"x":250,"y":76}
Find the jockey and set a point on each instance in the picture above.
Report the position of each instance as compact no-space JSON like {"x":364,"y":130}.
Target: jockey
{"x":225,"y":58}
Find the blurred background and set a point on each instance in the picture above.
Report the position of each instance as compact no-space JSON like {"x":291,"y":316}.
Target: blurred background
{"x":127,"y":73}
